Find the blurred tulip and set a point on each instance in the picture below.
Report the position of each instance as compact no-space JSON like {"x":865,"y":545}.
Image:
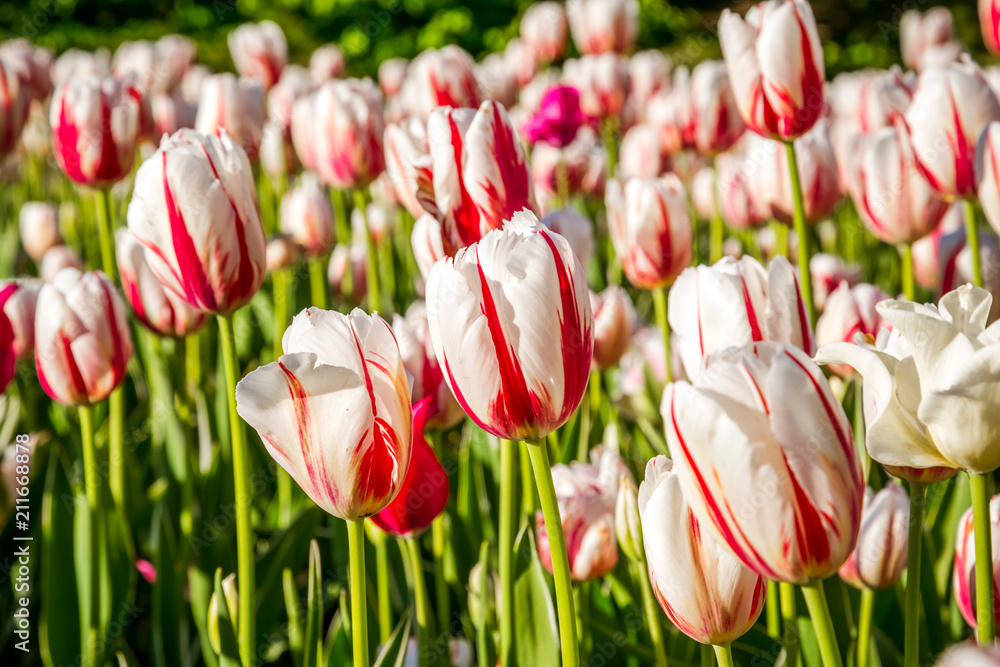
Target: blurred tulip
{"x":640,"y":155}
{"x":348,"y":257}
{"x":920,"y":32}
{"x":520,"y":62}
{"x":15,"y":97}
{"x":39,"y":227}
{"x":703,"y":193}
{"x":56,"y":259}
{"x":277,"y":152}
{"x":734,"y":303}
{"x":307,"y":217}
{"x":82,"y":341}
{"x":739,"y":206}
{"x":936,"y":114}
{"x":259,"y":51}
{"x":583,"y":163}
{"x":614,"y":320}
{"x":649,"y":73}
{"x":707,"y":593}
{"x":170,"y":113}
{"x":293,"y":85}
{"x":195,"y":210}
{"x":191,"y":83}
{"x":408,"y":163}
{"x":964,"y":573}
{"x":988,"y":173}
{"x":576,"y":229}
{"x":334,"y":410}
{"x":95,"y":127}
{"x":325,"y":63}
{"x":628,"y":523}
{"x":235,"y":105}
{"x":602,"y":26}
{"x":426,"y":242}
{"x":764,"y":417}
{"x":543,"y":31}
{"x":391,"y":75}
{"x":850,"y":311}
{"x":989,"y":22}
{"x":37,"y":135}
{"x":282,"y":252}
{"x":968,"y":654}
{"x":775,"y":62}
{"x":440,"y":77}
{"x":828,"y":272}
{"x":818,"y":177}
{"x":867,"y":100}
{"x":74,"y":63}
{"x":513,"y":386}
{"x":603,"y":82}
{"x":36,"y":66}
{"x":17,"y":301}
{"x":231,"y":598}
{"x":558,"y":118}
{"x":176,"y":55}
{"x":160,"y":310}
{"x":586,"y":494}
{"x":714,"y":123}
{"x":880,"y":557}
{"x":650,"y":228}
{"x":496,"y":80}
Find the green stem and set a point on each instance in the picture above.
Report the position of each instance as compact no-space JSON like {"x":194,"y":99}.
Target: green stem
{"x":106,"y":234}
{"x":652,"y":614}
{"x":985,"y":619}
{"x":865,"y":626}
{"x":717,"y":234}
{"x":780,"y":239}
{"x":911,"y":634}
{"x":438,"y":546}
{"x":382,"y":578}
{"x":801,"y":231}
{"x":359,"y":610}
{"x":507,"y":484}
{"x":859,"y":426}
{"x":583,"y":618}
{"x":371,"y":267}
{"x":724,"y":654}
{"x":92,"y":487}
{"x":529,"y":501}
{"x":609,"y":127}
{"x":342,"y":224}
{"x":116,"y":445}
{"x":660,"y":305}
{"x":244,"y":499}
{"x":423,"y":607}
{"x":317,"y":281}
{"x":822,"y":623}
{"x":789,"y":615}
{"x":279,"y":285}
{"x":557,"y":547}
{"x":909,"y":286}
{"x":972,"y":236}
{"x":773,"y":611}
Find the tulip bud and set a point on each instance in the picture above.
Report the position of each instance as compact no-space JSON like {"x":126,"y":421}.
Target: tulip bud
{"x":497,"y":80}
{"x":602,"y":26}
{"x":650,"y":229}
{"x":603,"y":82}
{"x":293,"y":85}
{"x":543,"y":31}
{"x":964,"y":573}
{"x":74,"y":63}
{"x":325,"y":63}
{"x":628,"y":524}
{"x":34,"y":65}
{"x":82,"y":341}
{"x":307,"y":217}
{"x":479,"y":577}
{"x":39,"y":224}
{"x":95,"y":128}
{"x":879,"y":559}
{"x":277,"y":153}
{"x":191,"y":83}
{"x":706,"y":592}
{"x":921,"y":33}
{"x":346,"y":134}
{"x":440,"y":77}
{"x":391,"y":75}
{"x":17,"y":301}
{"x":614,"y":320}
{"x":232,"y":595}
{"x":868,"y":100}
{"x":259,"y":51}
{"x":235,"y":105}
{"x":575,"y":228}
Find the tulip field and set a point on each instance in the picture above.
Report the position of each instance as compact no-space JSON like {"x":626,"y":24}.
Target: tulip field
{"x":634,"y":335}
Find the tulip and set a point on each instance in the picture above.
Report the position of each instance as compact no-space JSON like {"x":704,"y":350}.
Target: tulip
{"x":640,"y":155}
{"x":35,"y":63}
{"x":602,"y":26}
{"x":714,"y":123}
{"x":56,"y":259}
{"x":965,"y":571}
{"x":703,"y":193}
{"x":294,"y":84}
{"x":614,"y":320}
{"x":828,"y":272}
{"x":818,"y":176}
{"x":82,"y":341}
{"x":413,"y":336}
{"x":391,"y":75}
{"x":408,"y":164}
{"x":281,"y":253}
{"x":868,"y":100}
{"x":74,"y":63}
{"x":8,"y":360}
{"x":707,"y":593}
{"x":649,"y":73}
{"x":236,"y":106}
{"x":576,"y":229}
{"x":325,"y":63}
{"x":195,"y":211}
{"x":231,"y":598}
{"x":558,"y":118}
{"x":95,"y":128}
{"x":277,"y":152}
{"x":497,"y":79}
{"x":587,"y":493}
{"x":969,"y":655}
{"x":307,"y":217}
{"x":543,"y":31}
{"x":160,"y":310}
{"x":259,"y":51}
{"x":17,"y":301}
{"x":346,"y":134}
{"x":15,"y":96}
{"x":850,"y":311}
{"x":426,"y":243}
{"x":424,"y":492}
{"x":191,"y":83}
{"x":582,"y":164}
{"x":39,"y":226}
{"x":919,"y":33}
{"x":176,"y":55}
{"x":442,"y":77}
{"x":603,"y":82}
{"x":739,"y":205}
{"x":989,"y":22}
{"x":879,"y":559}
{"x":346,"y":258}
{"x":170,"y":113}
{"x":988,"y":173}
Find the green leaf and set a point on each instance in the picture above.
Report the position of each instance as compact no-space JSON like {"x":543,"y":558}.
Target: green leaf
{"x":58,"y":628}
{"x":292,"y":609}
{"x":394,"y":652}
{"x":168,"y":592}
{"x":312,"y":649}
{"x":534,"y":615}
{"x":230,"y":653}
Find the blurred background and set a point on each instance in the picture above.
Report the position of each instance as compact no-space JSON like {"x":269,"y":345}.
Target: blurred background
{"x":855,"y":33}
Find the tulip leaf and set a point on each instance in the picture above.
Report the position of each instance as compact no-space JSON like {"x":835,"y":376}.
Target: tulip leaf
{"x":294,"y":622}
{"x":200,"y":589}
{"x":168,"y":591}
{"x":58,"y":631}
{"x":229,"y":654}
{"x":534,"y":614}
{"x":312,"y":647}
{"x":288,"y":547}
{"x":394,"y":652}
{"x":338,"y":647}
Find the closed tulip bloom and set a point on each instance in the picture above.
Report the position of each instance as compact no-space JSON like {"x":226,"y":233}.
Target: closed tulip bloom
{"x":968,"y":654}
{"x":391,"y":75}
{"x":408,"y":164}
{"x":602,"y":26}
{"x":39,"y":226}
{"x":989,"y":22}
{"x":738,"y":205}
{"x":334,"y":410}
{"x":170,"y":113}
{"x":35,"y":64}
{"x":850,"y":311}
{"x":919,"y":33}
{"x":988,"y":173}
{"x":649,"y":73}
{"x":74,"y":63}
{"x":818,"y":177}
{"x":176,"y":54}
{"x":348,"y":257}
{"x":558,"y":118}
{"x":325,"y":63}
{"x":293,"y":85}
{"x":951,"y":107}
{"x":650,"y":228}
{"x":347,"y":129}
{"x":15,"y":98}
{"x":614,"y":321}
{"x":160,"y":310}
{"x":764,"y":417}
{"x":868,"y":100}
{"x":964,"y":576}
{"x":583,"y":163}
{"x":82,"y":341}
{"x":703,"y":193}
{"x":714,"y":120}
{"x":282,"y":252}
{"x":8,"y":360}
{"x":575,"y":228}
{"x":277,"y":152}
{"x":95,"y":128}
{"x":259,"y":51}
{"x":426,"y":243}
{"x":586,"y":493}
{"x":775,"y":62}
{"x":56,"y":259}
{"x":441,"y":77}
{"x":640,"y":155}
{"x":191,"y":83}
{"x":307,"y":217}
{"x":828,"y":272}
{"x":17,"y":301}
{"x":497,"y":79}
{"x":236,"y":106}
{"x":707,"y":593}
{"x":628,"y":523}
{"x":734,"y":303}
{"x":879,"y":559}
{"x":497,"y":311}
{"x":603,"y":82}
{"x":195,"y":210}
{"x":543,"y":31}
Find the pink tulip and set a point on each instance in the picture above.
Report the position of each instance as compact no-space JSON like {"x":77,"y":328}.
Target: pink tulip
{"x":325,"y":63}
{"x":920,"y":33}
{"x":345,"y":134}
{"x":989,"y":22}
{"x":8,"y":360}
{"x":764,"y":417}
{"x":334,"y":410}
{"x":575,"y":228}
{"x":307,"y":217}
{"x":828,"y":271}
{"x":614,"y":321}
{"x":734,"y":303}
{"x":56,"y":259}
{"x":714,"y":123}
{"x":391,"y":75}
{"x":160,"y":310}
{"x":558,"y":118}
{"x":513,"y":386}
{"x":603,"y":82}
{"x":586,"y":493}
{"x":95,"y":128}
{"x":650,"y":228}
{"x":426,"y":242}
{"x":649,"y":73}
{"x":236,"y":106}
{"x":964,"y":573}
{"x":414,"y":338}
{"x":602,"y":26}
{"x":15,"y":96}
{"x":705,"y":592}
{"x":444,"y":77}
{"x":259,"y":51}
{"x":147,"y":570}
{"x":543,"y":31}
{"x":17,"y":302}
{"x":640,"y":155}
{"x":39,"y":227}
{"x":879,"y":559}
{"x":195,"y":210}
{"x":951,"y":107}
{"x":82,"y":341}
{"x":775,"y":63}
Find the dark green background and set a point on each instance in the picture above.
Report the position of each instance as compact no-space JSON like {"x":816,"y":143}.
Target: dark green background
{"x":856,"y":33}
